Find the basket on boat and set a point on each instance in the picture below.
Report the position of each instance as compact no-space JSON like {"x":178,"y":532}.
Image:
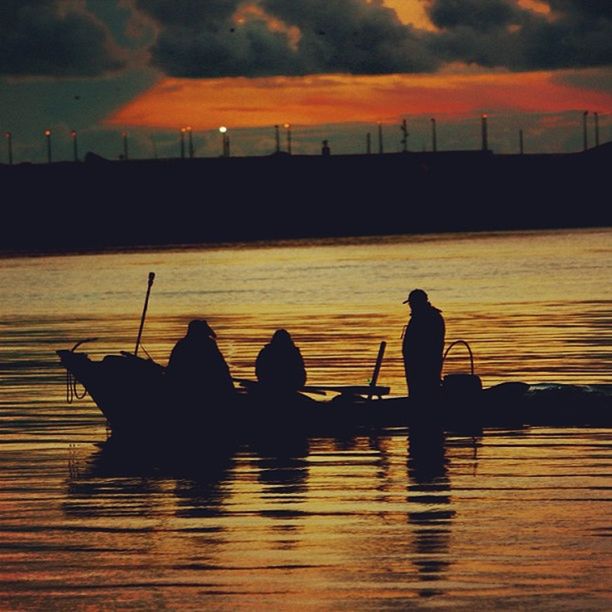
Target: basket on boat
{"x":461,"y":384}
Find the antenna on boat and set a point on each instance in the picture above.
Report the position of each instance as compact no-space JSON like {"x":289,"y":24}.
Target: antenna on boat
{"x":144,"y":311}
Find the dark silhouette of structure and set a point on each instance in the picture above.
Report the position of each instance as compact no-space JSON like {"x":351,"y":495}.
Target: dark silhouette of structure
{"x":197,"y":367}
{"x":280,"y":366}
{"x":422,"y":347}
{"x":102,"y":203}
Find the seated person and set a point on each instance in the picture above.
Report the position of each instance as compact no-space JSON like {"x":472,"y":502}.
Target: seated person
{"x":279,"y":365}
{"x":196,"y":366}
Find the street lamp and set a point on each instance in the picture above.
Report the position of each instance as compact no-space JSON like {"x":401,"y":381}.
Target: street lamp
{"x":404,"y":128}
{"x":225,"y":146}
{"x":190,"y":135}
{"x":75,"y":150}
{"x":287,"y":126}
{"x":485,"y":133}
{"x":124,"y":135}
{"x":9,"y":144}
{"x":277,"y":137}
{"x":434,"y":136}
{"x":48,"y":138}
{"x":183,"y":143}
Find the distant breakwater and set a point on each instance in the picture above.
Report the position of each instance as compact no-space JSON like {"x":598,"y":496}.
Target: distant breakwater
{"x":100,"y":203}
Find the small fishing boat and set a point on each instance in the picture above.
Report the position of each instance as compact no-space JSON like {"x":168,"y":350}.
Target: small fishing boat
{"x":140,"y":402}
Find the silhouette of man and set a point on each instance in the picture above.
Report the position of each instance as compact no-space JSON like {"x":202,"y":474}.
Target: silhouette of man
{"x":423,"y":346}
{"x":197,"y":366}
{"x":279,"y":365}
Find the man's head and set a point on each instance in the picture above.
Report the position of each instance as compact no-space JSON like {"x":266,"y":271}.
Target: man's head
{"x":199,"y":327}
{"x":281,"y":336}
{"x":417,"y":298}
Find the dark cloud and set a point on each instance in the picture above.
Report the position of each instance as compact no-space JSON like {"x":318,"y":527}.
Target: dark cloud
{"x":202,"y":39}
{"x":53,"y":38}
{"x":353,"y":36}
{"x":477,"y":14}
{"x":499,"y":33}
{"x":222,"y":38}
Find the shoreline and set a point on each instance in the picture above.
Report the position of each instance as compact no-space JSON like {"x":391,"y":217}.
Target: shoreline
{"x":99,"y":205}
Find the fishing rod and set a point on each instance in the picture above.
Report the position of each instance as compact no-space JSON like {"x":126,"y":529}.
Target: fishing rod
{"x":144,"y":311}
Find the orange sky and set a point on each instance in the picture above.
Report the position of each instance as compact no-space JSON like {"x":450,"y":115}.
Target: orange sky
{"x":458,"y":91}
{"x":240,"y":102}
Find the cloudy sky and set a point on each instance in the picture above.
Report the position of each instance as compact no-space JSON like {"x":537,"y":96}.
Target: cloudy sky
{"x":333,"y":69}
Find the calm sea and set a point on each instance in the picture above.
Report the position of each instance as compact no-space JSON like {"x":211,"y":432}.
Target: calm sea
{"x":505,"y":520}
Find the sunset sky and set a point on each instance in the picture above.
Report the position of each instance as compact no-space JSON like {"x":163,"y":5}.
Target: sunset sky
{"x":333,"y":69}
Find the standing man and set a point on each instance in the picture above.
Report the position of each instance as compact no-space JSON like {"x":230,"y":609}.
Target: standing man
{"x":423,"y":346}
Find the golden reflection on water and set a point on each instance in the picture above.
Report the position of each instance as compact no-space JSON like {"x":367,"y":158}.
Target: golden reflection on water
{"x":402,"y":518}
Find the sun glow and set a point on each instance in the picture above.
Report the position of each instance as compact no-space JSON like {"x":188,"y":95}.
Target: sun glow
{"x":327,"y":99}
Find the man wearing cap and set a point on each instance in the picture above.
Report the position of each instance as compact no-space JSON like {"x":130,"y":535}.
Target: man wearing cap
{"x":423,"y":346}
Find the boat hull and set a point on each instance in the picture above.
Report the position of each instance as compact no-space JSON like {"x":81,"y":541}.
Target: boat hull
{"x":138,"y":400}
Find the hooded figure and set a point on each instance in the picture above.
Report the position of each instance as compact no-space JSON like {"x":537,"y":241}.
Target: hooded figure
{"x":279,"y":365}
{"x":197,"y":367}
{"x":423,"y":346}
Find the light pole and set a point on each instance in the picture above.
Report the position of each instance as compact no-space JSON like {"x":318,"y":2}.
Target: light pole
{"x":277,"y":137}
{"x":485,"y":133}
{"x":182,"y":143}
{"x":48,"y":138}
{"x":190,"y":135}
{"x":75,"y":150}
{"x":434,"y":136}
{"x":596,"y":115}
{"x":288,"y":128}
{"x":585,"y":137}
{"x":9,"y":144}
{"x":224,"y":141}
{"x":521,"y":147}
{"x":124,"y":135}
{"x":380,"y":139}
{"x":404,"y":128}
{"x":368,"y":143}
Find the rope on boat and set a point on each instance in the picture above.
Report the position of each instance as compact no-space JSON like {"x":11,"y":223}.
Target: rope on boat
{"x":72,"y":392}
{"x":71,"y":388}
{"x":146,"y":352}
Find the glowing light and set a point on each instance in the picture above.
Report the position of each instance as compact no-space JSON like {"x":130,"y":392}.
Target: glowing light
{"x":223,"y":129}
{"x":47,"y":133}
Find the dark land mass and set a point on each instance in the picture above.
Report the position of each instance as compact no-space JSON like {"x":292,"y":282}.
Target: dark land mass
{"x":99,"y":204}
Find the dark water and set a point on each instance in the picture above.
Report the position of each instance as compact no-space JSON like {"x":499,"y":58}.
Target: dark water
{"x":401,"y":519}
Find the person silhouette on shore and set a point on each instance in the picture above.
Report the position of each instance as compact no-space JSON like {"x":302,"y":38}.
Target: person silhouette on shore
{"x":197,"y":367}
{"x":423,"y":346}
{"x":280,"y":366}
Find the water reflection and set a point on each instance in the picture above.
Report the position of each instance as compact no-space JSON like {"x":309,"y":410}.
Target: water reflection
{"x":283,"y":476}
{"x":429,"y":494}
{"x":123,"y":479}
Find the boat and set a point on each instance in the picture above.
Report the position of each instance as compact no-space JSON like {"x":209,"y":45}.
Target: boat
{"x":139,"y":402}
